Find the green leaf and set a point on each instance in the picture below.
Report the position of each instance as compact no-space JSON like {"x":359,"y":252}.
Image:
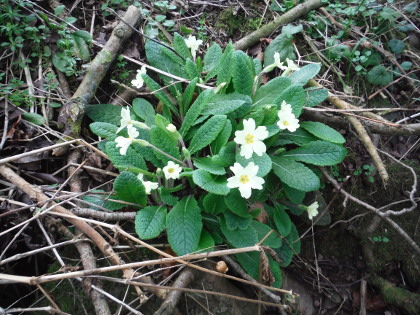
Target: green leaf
{"x":225,"y":103}
{"x":209,"y":165}
{"x":132,"y":158}
{"x":164,"y":59}
{"x":239,"y":238}
{"x":315,"y":96}
{"x":283,"y":44}
{"x":269,"y":93}
{"x":276,"y":272}
{"x":183,"y":225}
{"x":206,"y":243}
{"x":191,"y":69}
{"x":144,"y":110}
{"x":150,"y":222}
{"x":188,"y":95}
{"x":323,"y":131}
{"x":290,"y":247}
{"x":180,"y":46}
{"x":234,"y":221}
{"x":34,"y":118}
{"x":211,"y":183}
{"x":397,"y":46}
{"x":282,"y":221}
{"x":236,"y":203}
{"x":273,"y":240}
{"x":243,"y":73}
{"x":379,"y":75}
{"x":160,"y":139}
{"x":84,"y":35}
{"x":299,"y":137}
{"x":250,"y":261}
{"x":207,"y":133}
{"x":59,"y":9}
{"x":166,"y":196}
{"x":104,"y":113}
{"x":304,"y":74}
{"x":195,"y":111}
{"x":129,"y":188}
{"x":212,"y":57}
{"x":263,"y":162}
{"x":292,"y":29}
{"x":214,"y":204}
{"x":318,"y":153}
{"x":103,"y":200}
{"x":295,"y":174}
{"x":225,"y":65}
{"x":294,"y":195}
{"x":411,"y":7}
{"x":222,"y":138}
{"x":226,"y":156}
{"x":294,"y":95}
{"x":158,"y":92}
{"x":104,"y":130}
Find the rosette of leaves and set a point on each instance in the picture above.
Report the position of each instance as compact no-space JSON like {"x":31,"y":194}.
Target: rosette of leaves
{"x":200,"y":211}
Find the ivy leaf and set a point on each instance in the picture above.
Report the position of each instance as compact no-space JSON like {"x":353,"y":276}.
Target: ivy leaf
{"x":211,"y":183}
{"x":282,"y":221}
{"x":323,"y":131}
{"x":213,"y":203}
{"x":318,"y":153}
{"x":315,"y":96}
{"x":283,"y":44}
{"x":304,"y":74}
{"x":239,"y":238}
{"x":195,"y":111}
{"x":237,"y":204}
{"x":183,"y":225}
{"x":262,"y":230}
{"x":295,"y":174}
{"x":243,"y":73}
{"x":150,"y":222}
{"x":234,"y":221}
{"x":209,"y":165}
{"x":104,"y":130}
{"x":269,"y":93}
{"x":207,"y":133}
{"x":160,"y":139}
{"x":379,"y":75}
{"x":129,"y":188}
{"x":263,"y":162}
{"x":144,"y":110}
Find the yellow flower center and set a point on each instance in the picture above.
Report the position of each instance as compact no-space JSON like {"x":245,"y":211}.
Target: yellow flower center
{"x":244,"y":179}
{"x":171,"y":170}
{"x":285,"y":123}
{"x":249,"y":138}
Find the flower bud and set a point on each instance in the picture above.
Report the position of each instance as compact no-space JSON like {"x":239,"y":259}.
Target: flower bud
{"x":186,"y":153}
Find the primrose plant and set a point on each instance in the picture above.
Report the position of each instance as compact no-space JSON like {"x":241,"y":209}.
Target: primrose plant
{"x":221,"y":159}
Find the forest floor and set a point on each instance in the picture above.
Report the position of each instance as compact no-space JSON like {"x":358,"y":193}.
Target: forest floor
{"x":362,"y":258}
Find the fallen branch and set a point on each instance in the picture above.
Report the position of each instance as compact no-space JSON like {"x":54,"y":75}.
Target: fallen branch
{"x":266,"y":30}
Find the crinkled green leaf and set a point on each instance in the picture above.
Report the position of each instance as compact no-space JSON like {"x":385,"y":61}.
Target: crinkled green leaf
{"x":276,"y":272}
{"x":291,"y":29}
{"x":129,"y":188}
{"x":234,"y":221}
{"x":263,"y":162}
{"x":209,"y":165}
{"x":195,"y":111}
{"x":132,"y":157}
{"x":269,"y":93}
{"x":180,"y":46}
{"x":315,"y":96}
{"x":212,"y":183}
{"x":225,"y":103}
{"x":282,"y":221}
{"x":191,"y":69}
{"x":295,"y":174}
{"x":236,"y":203}
{"x":222,"y":137}
{"x":318,"y":153}
{"x":239,"y":238}
{"x":144,"y":110}
{"x":34,"y":118}
{"x":323,"y":131}
{"x":102,"y":199}
{"x":250,"y":261}
{"x":213,"y":203}
{"x":160,"y":139}
{"x":283,"y":44}
{"x":207,"y":133}
{"x":212,"y":57}
{"x":104,"y":113}
{"x":164,"y":59}
{"x":272,"y":240}
{"x":290,"y":247}
{"x":150,"y":222}
{"x":159,"y":93}
{"x":379,"y":75}
{"x":304,"y":74}
{"x":243,"y":73}
{"x":183,"y":225}
{"x":225,"y":66}
{"x":188,"y":95}
{"x":299,"y":137}
{"x":206,"y":243}
{"x":226,"y":156}
{"x":104,"y":130}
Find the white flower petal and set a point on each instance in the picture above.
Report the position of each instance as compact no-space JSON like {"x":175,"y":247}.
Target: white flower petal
{"x":240,"y":137}
{"x":249,"y":125}
{"x":261,"y":133}
{"x":172,"y":170}
{"x":236,"y":168}
{"x":259,"y":148}
{"x":233,"y":182}
{"x":245,"y":191}
{"x":132,"y":132}
{"x":247,"y":150}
